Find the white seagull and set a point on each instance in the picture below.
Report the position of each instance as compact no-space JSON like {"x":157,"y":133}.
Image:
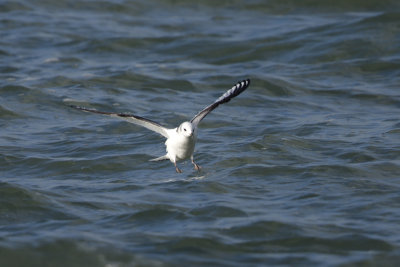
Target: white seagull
{"x":182,"y":139}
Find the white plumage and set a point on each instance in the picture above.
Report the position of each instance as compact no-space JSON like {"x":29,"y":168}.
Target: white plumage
{"x":181,"y":140}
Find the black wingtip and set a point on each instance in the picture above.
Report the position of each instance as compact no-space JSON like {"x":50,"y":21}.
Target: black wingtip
{"x":78,"y":107}
{"x":74,"y":106}
{"x":246,"y":82}
{"x":87,"y":109}
{"x":241,"y":86}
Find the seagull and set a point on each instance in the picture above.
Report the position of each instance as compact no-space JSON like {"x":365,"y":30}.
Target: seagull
{"x":181,"y":140}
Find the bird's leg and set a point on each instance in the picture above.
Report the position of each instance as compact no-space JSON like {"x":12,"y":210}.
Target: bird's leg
{"x":177,"y":169}
{"x":196,"y":167}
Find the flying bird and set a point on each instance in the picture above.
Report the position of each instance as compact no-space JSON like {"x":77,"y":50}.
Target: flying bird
{"x":182,"y":139}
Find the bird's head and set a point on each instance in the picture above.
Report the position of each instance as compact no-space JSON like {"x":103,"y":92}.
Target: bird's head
{"x":186,"y":129}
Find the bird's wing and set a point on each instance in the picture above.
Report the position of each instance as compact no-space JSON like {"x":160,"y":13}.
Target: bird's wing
{"x":149,"y":124}
{"x":231,"y":93}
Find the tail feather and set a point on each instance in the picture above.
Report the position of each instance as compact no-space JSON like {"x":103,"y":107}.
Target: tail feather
{"x":165,"y":157}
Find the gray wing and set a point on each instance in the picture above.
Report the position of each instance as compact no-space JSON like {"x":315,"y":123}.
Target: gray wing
{"x":149,"y":124}
{"x":231,"y":93}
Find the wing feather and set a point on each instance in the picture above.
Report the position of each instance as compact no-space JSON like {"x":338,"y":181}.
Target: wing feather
{"x":149,"y":124}
{"x":237,"y":89}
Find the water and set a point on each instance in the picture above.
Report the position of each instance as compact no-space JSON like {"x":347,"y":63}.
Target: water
{"x":302,"y":168}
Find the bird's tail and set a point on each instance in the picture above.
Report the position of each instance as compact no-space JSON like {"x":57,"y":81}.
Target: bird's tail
{"x":160,"y":158}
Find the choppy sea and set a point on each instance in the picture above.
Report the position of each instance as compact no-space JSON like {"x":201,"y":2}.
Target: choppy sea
{"x":301,"y":169}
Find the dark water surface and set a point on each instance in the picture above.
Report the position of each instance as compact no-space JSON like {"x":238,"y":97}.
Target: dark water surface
{"x":303,"y":168}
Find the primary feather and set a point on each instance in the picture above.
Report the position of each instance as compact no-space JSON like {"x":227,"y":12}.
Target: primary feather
{"x":237,"y":89}
{"x":149,"y":124}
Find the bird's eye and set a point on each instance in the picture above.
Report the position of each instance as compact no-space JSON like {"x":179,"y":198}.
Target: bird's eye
{"x":184,"y":129}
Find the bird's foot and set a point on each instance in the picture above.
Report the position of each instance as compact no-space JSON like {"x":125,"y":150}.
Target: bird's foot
{"x":177,"y":169}
{"x":196,"y":167}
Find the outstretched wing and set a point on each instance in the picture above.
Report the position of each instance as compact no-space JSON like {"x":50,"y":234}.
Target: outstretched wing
{"x":231,"y":93}
{"x":149,"y":124}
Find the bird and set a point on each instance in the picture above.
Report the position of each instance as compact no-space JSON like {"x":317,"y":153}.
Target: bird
{"x":181,"y":140}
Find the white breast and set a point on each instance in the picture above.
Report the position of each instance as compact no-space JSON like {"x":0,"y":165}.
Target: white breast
{"x":180,"y":147}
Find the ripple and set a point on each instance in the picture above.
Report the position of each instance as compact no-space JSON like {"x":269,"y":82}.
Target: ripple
{"x":8,"y":114}
{"x":213,"y":212}
{"x":21,"y":205}
{"x":262,"y":230}
{"x":357,"y":157}
{"x":301,"y":169}
{"x":11,"y":6}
